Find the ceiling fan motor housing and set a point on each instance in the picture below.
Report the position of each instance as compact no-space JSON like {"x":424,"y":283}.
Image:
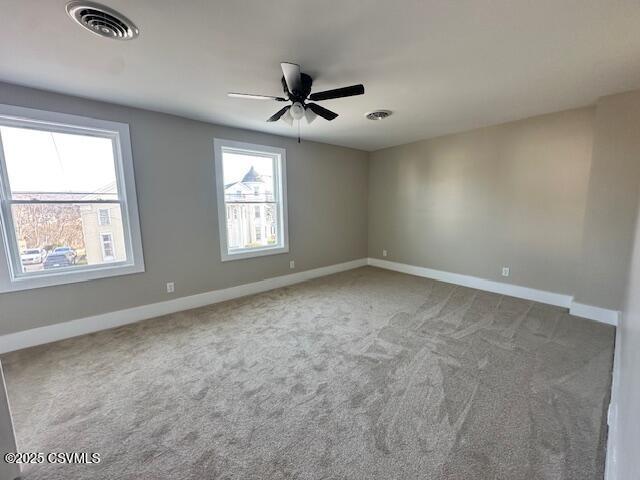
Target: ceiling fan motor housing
{"x":305,"y":88}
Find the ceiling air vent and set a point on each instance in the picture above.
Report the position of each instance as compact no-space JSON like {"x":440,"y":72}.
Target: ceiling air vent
{"x":102,"y":20}
{"x":378,"y":115}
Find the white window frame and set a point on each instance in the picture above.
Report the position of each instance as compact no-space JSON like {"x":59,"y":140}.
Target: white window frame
{"x":279,"y":156}
{"x":105,"y":257}
{"x":108,"y":217}
{"x":12,"y":278}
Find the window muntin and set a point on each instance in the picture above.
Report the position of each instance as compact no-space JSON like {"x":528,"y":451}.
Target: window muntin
{"x":58,"y":175}
{"x":251,"y":188}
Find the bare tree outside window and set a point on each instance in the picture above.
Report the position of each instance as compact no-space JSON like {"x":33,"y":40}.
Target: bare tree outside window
{"x":64,"y":197}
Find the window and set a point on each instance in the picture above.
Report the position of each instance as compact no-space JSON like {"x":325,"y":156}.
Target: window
{"x":104,"y":217}
{"x":107,"y":247}
{"x":251,"y":179}
{"x":62,"y":177}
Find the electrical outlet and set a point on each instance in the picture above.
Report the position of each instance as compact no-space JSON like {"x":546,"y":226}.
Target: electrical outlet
{"x":171,"y":287}
{"x":505,"y":271}
{"x":292,"y":264}
{"x":384,"y":253}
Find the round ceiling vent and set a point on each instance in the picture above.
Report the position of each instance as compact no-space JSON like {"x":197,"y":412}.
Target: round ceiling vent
{"x":102,"y":20}
{"x":378,"y":114}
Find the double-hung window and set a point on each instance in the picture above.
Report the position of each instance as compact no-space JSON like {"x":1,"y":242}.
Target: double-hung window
{"x":104,"y":216}
{"x":252,"y":198}
{"x":107,"y":247}
{"x":64,"y":180}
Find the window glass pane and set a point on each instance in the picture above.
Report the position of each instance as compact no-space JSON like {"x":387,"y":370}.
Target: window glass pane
{"x":104,"y":216}
{"x":249,"y":193}
{"x":41,"y":164}
{"x":62,"y":209}
{"x":67,"y":235}
{"x":108,"y":254}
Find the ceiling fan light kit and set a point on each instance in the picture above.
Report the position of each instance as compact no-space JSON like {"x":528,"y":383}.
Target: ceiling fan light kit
{"x":297,"y":111}
{"x":310,"y":115}
{"x":297,"y":90}
{"x":287,"y":117}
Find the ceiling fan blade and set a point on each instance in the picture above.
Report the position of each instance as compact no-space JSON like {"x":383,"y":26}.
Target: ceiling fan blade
{"x":323,"y":112}
{"x":252,"y":96}
{"x":291,"y":73}
{"x":276,"y":116}
{"x":338,"y":93}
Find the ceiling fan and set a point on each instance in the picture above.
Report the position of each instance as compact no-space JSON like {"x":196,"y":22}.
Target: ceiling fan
{"x":297,"y":90}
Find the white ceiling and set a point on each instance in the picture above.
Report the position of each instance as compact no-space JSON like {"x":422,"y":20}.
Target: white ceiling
{"x":441,"y":65}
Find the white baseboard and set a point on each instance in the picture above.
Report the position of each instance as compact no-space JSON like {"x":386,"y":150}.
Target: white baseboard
{"x":541,"y":296}
{"x":604,"y":315}
{"x":74,"y":328}
{"x":558,"y":299}
{"x":610,"y":470}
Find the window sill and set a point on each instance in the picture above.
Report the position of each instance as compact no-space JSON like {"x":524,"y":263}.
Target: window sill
{"x":64,"y":278}
{"x":257,"y":252}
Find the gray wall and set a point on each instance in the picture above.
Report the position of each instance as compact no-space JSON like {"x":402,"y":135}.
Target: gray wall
{"x":173,"y":159}
{"x":469,"y":203}
{"x":626,"y":432}
{"x":610,"y":240}
{"x":526,"y":194}
{"x":612,"y":202}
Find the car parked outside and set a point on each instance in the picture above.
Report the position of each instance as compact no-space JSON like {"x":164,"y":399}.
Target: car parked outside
{"x":69,"y":252}
{"x":57,"y":260}
{"x":33,"y":256}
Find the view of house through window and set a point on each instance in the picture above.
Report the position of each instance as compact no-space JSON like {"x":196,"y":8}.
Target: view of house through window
{"x":64,"y":207}
{"x":250,"y":201}
{"x":253,"y":200}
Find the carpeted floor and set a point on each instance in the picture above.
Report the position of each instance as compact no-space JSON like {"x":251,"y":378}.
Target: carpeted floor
{"x":361,"y":375}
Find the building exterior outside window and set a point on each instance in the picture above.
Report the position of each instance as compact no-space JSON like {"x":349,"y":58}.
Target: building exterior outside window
{"x":94,"y":228}
{"x":251,"y":191}
{"x":67,"y":200}
{"x":245,"y":224}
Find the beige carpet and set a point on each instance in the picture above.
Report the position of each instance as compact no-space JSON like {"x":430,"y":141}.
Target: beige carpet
{"x":361,"y":375}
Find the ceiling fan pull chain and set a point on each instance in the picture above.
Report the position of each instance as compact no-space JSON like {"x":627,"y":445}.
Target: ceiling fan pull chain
{"x":298,"y":131}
